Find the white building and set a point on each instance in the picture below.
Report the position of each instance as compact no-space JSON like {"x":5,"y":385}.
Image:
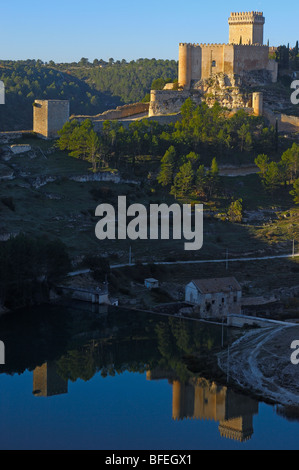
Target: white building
{"x":214,"y":298}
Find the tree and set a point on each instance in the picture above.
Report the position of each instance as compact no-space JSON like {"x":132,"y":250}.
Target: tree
{"x":273,"y":177}
{"x":201,"y":181}
{"x":165,"y":177}
{"x":193,"y":158}
{"x":295,"y":191}
{"x":65,"y":134}
{"x":262,"y":161}
{"x":290,"y":161}
{"x":183,"y":181}
{"x":244,"y":134}
{"x":93,"y":146}
{"x":83,"y":62}
{"x":212,"y":180}
{"x":78,"y":140}
{"x":235,"y":211}
{"x":214,"y":168}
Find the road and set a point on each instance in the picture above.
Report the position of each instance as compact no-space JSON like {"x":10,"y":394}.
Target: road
{"x":205,"y":261}
{"x":260,"y":362}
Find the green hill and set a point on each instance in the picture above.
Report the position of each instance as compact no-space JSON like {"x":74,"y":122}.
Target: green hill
{"x":91,"y":89}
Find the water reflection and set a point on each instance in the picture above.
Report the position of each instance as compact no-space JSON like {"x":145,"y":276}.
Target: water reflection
{"x":109,"y":343}
{"x":47,"y":382}
{"x":205,"y":400}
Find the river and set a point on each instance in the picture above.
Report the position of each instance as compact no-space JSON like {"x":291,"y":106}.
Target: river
{"x":81,"y":377}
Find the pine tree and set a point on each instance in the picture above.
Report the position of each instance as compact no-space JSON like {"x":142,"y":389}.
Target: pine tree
{"x":295,"y":191}
{"x":165,"y":177}
{"x":183,"y":181}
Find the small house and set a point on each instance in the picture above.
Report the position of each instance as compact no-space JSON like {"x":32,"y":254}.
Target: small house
{"x":214,"y":298}
{"x":151,"y":283}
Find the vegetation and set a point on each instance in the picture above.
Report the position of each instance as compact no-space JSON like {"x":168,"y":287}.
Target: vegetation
{"x":91,"y":88}
{"x":130,"y":82}
{"x":27,"y":267}
{"x":285,"y":172}
{"x":288,"y":57}
{"x":235,"y":211}
{"x":194,"y":140}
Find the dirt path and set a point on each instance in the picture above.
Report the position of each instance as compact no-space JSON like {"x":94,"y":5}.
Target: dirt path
{"x":234,"y":171}
{"x":260,"y":362}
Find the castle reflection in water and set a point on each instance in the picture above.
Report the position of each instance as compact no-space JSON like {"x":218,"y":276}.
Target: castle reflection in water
{"x":197,"y":398}
{"x":204,"y":400}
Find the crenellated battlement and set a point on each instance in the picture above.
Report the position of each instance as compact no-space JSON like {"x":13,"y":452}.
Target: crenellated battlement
{"x":247,"y":17}
{"x":183,"y":44}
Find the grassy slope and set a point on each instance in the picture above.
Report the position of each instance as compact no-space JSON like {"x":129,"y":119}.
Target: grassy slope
{"x":70,"y":217}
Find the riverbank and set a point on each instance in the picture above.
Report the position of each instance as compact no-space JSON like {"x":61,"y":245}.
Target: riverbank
{"x":260,"y":363}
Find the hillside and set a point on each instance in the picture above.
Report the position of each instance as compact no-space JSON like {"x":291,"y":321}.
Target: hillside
{"x":91,"y":89}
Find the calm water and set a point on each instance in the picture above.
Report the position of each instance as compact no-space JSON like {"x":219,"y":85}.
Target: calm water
{"x":77,"y":379}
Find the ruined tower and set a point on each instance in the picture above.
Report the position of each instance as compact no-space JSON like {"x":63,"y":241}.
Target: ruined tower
{"x":257,"y":103}
{"x":49,"y":116}
{"x":246,"y":28}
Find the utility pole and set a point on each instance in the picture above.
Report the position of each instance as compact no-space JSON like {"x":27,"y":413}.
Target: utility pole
{"x":293,"y":248}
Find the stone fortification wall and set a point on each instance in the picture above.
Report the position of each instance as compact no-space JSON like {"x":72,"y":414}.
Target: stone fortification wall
{"x":226,"y":89}
{"x":248,"y":58}
{"x":121,"y":112}
{"x":285,"y":122}
{"x":169,"y":101}
{"x":200,"y":61}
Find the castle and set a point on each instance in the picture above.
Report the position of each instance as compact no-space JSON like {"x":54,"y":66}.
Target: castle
{"x":245,"y":53}
{"x":227,"y":73}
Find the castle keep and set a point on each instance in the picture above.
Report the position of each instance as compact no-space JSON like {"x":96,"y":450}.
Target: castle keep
{"x":246,"y":28}
{"x":245,"y":51}
{"x":229,"y":63}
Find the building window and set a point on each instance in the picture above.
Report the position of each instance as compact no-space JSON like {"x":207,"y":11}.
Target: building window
{"x":213,"y":63}
{"x":235,"y":298}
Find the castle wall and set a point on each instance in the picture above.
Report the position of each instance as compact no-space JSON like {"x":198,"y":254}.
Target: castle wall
{"x":212,"y":59}
{"x":285,"y":123}
{"x":248,"y":58}
{"x":121,"y":112}
{"x":170,"y":101}
{"x":196,"y":63}
{"x":228,"y":60}
{"x":200,"y":61}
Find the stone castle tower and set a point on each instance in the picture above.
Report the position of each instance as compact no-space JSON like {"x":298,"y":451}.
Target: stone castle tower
{"x":245,"y":52}
{"x":246,"y":28}
{"x":49,"y":116}
{"x":243,"y":58}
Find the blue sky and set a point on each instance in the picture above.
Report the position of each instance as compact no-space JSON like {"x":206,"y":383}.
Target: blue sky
{"x":66,"y":30}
